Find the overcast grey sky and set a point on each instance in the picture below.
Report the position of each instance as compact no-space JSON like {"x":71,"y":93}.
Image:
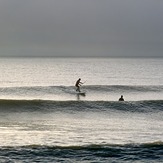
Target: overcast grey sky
{"x":81,"y":28}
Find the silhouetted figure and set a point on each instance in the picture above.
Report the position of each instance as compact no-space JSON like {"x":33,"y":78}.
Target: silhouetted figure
{"x":78,"y":84}
{"x":121,"y":98}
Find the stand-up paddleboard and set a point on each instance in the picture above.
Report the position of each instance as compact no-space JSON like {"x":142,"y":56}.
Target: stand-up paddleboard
{"x":81,"y":93}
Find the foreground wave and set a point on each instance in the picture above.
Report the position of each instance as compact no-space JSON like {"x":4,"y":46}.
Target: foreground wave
{"x":48,"y":105}
{"x":146,"y":152}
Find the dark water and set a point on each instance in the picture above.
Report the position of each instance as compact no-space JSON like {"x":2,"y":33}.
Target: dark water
{"x":152,"y":152}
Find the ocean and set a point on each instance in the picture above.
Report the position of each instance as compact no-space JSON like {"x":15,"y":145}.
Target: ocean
{"x":43,"y":118}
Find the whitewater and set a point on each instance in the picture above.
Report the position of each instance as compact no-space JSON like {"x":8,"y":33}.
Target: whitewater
{"x":43,"y":119}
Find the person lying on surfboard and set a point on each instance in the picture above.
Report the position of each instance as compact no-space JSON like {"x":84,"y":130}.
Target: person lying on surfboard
{"x":78,"y":84}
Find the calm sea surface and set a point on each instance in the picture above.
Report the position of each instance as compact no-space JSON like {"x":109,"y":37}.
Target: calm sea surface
{"x":43,"y":119}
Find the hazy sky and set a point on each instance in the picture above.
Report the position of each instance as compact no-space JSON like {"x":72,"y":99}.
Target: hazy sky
{"x":81,"y":28}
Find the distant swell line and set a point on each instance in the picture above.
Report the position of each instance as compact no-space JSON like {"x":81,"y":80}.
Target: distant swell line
{"x":151,"y":152}
{"x":156,"y":146}
{"x":93,"y":146}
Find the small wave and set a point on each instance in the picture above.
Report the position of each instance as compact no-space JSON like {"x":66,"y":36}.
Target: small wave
{"x":105,"y":146}
{"x":93,"y":146}
{"x":48,"y":105}
{"x":93,"y":152}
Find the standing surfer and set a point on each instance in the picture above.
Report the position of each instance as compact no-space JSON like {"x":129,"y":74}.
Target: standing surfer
{"x":78,"y":84}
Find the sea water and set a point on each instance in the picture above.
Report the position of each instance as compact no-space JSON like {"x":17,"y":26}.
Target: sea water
{"x":43,"y":119}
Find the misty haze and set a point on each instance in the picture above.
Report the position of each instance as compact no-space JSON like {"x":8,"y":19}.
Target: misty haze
{"x":81,"y":28}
